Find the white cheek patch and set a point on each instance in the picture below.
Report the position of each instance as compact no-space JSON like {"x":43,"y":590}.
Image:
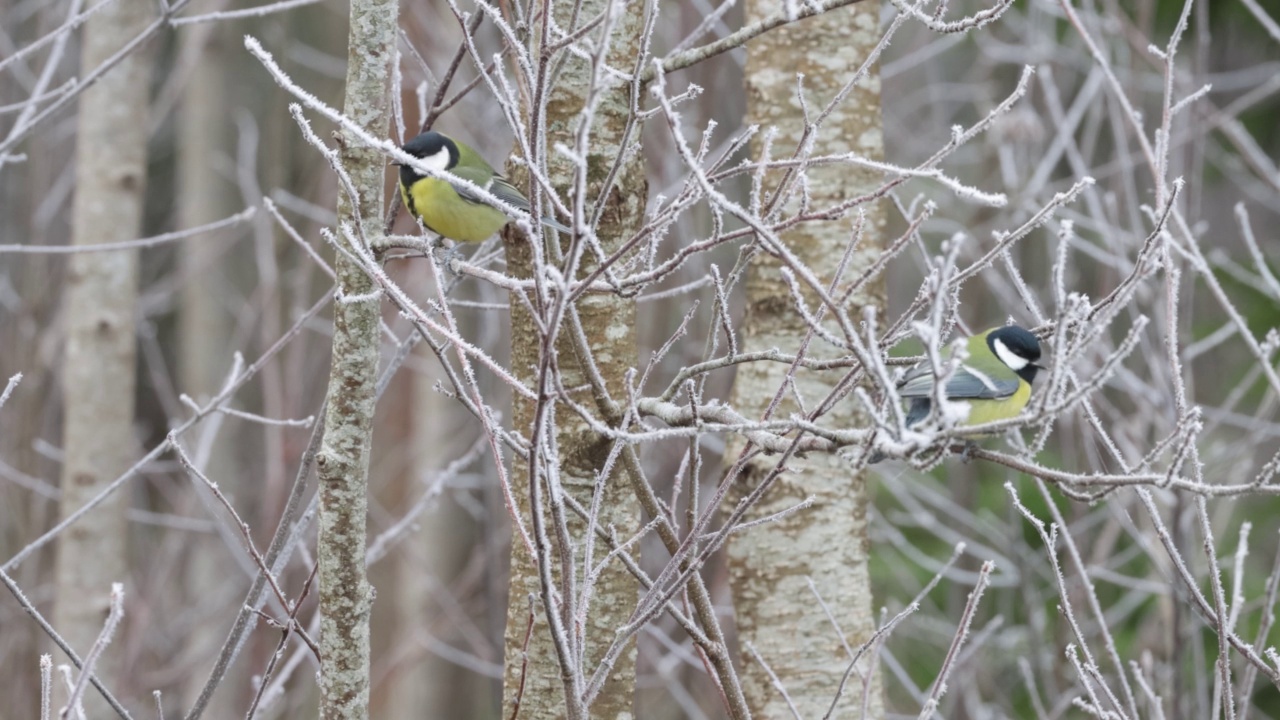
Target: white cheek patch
{"x":1008,"y":357}
{"x":439,"y":161}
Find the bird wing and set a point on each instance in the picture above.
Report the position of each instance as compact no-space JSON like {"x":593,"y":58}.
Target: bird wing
{"x":497,"y":186}
{"x":967,"y":382}
{"x":508,"y":193}
{"x":500,"y":188}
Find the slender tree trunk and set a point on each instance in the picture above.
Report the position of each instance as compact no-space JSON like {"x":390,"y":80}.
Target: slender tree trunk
{"x":204,"y":325}
{"x":102,"y":289}
{"x":771,"y":565}
{"x":608,"y":323}
{"x":425,"y":572}
{"x":346,"y":597}
{"x":202,"y":198}
{"x":28,"y":414}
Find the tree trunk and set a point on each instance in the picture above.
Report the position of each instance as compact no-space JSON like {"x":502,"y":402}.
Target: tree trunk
{"x":346,"y":597}
{"x":202,"y":198}
{"x":99,"y":361}
{"x":608,"y":323}
{"x":771,"y":565}
{"x":24,"y":335}
{"x":204,"y":325}
{"x":427,"y":566}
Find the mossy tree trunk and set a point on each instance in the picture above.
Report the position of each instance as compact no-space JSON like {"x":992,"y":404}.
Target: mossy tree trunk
{"x":346,"y":598}
{"x":608,"y":325}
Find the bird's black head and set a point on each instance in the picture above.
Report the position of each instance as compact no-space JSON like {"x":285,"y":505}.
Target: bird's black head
{"x":1018,"y":349}
{"x":439,"y":151}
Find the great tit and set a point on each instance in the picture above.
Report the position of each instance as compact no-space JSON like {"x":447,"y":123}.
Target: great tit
{"x":452,"y":210}
{"x":993,"y":383}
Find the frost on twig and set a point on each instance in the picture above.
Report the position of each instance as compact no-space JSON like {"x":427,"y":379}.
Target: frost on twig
{"x":114,"y":616}
{"x":1061,"y":167}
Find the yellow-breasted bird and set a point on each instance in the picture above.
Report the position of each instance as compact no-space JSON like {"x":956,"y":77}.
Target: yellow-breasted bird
{"x":452,"y":210}
{"x":993,"y":383}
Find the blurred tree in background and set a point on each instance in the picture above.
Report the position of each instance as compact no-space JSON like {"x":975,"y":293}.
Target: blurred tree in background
{"x":1105,"y":172}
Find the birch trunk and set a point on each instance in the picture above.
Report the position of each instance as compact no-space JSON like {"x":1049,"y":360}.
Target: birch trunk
{"x":770,"y":566}
{"x":101,"y":298}
{"x":342,"y":465}
{"x":608,"y":323}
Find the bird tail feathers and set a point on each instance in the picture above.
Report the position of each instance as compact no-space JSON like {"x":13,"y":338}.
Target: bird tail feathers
{"x":554,"y":225}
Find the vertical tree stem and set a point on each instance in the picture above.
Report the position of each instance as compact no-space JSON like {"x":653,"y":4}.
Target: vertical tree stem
{"x":98,"y":376}
{"x":772,"y":566}
{"x":343,"y":463}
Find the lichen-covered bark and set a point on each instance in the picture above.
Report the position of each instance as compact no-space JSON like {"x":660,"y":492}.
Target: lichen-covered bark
{"x":770,"y":565}
{"x":101,"y":299}
{"x":346,"y":597}
{"x":609,"y":324}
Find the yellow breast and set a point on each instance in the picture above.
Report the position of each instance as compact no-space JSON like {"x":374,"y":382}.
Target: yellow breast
{"x":985,"y":411}
{"x":443,"y":211}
